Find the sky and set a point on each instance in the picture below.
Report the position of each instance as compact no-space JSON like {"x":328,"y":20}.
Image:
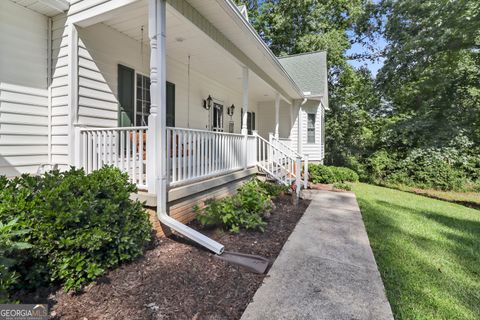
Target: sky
{"x":373,"y":66}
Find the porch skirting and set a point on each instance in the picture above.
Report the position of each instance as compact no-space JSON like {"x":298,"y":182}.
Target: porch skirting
{"x":181,"y":200}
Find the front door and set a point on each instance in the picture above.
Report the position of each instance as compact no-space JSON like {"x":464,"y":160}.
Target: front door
{"x":217,"y":124}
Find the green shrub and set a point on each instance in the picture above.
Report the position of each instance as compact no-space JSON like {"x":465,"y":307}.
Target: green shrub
{"x":343,"y":174}
{"x":320,"y":174}
{"x":342,"y":186}
{"x":8,"y":247}
{"x":273,"y":189}
{"x":328,"y":174}
{"x":431,"y":168}
{"x":81,"y":225}
{"x":246,"y":209}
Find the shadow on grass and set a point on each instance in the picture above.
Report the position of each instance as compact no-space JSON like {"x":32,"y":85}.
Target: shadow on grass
{"x":429,"y":261}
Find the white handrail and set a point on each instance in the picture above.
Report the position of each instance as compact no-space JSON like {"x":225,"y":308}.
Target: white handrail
{"x":275,"y":162}
{"x":285,"y":146}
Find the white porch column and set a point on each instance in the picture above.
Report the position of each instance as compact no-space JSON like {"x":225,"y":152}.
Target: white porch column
{"x":156,"y":155}
{"x":299,"y":128}
{"x":245,"y":100}
{"x":277,"y":114}
{"x":245,"y":116}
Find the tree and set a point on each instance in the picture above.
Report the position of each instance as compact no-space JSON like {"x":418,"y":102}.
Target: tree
{"x":432,"y":69}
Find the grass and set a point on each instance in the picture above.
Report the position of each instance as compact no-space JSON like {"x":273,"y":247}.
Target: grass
{"x":470,"y":199}
{"x":427,"y":251}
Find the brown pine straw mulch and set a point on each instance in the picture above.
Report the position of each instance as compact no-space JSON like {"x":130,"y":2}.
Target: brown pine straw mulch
{"x":178,"y":280}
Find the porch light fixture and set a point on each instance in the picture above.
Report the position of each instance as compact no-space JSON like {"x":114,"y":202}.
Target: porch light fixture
{"x":207,"y":104}
{"x":230,"y":110}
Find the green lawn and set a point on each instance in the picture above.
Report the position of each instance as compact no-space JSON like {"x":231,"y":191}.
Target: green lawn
{"x":427,"y":250}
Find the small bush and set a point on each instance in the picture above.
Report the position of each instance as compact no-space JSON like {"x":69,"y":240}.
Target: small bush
{"x":343,"y":174}
{"x":8,"y":247}
{"x":321,"y":174}
{"x":328,"y":174}
{"x":342,"y":186}
{"x":81,"y":225}
{"x":247,"y":209}
{"x":273,"y":189}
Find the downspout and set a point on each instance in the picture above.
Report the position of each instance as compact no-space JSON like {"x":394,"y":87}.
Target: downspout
{"x":157,"y":124}
{"x":49,"y":88}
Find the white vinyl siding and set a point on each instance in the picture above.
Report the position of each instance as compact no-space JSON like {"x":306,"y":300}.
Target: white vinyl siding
{"x":314,"y":150}
{"x":60,"y":92}
{"x":23,"y":90}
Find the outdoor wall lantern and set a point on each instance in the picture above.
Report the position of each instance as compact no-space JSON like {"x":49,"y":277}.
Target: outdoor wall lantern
{"x":207,"y":104}
{"x":230,"y":110}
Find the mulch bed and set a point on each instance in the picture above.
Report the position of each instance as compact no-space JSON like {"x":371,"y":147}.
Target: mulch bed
{"x":178,"y":280}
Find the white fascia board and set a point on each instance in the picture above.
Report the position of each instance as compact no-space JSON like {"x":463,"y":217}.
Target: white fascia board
{"x":238,"y":16}
{"x":59,"y":5}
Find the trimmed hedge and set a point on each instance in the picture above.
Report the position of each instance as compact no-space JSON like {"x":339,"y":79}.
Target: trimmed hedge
{"x":328,"y":174}
{"x":80,"y":225}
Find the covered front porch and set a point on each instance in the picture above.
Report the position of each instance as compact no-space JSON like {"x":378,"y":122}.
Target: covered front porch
{"x":167,"y":98}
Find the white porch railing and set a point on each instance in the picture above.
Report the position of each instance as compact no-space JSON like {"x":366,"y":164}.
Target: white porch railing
{"x":124,"y":148}
{"x":191,"y":154}
{"x":197,"y":154}
{"x":284,"y":146}
{"x":277,"y":163}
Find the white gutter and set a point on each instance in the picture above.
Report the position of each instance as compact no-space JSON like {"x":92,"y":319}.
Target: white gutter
{"x":240,"y":18}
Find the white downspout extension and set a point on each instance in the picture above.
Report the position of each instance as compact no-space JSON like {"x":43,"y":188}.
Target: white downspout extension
{"x":157,"y":123}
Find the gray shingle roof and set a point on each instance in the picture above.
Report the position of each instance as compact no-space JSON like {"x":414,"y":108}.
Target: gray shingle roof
{"x":308,"y":70}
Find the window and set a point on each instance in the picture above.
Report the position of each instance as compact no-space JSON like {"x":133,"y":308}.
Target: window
{"x":134,"y":98}
{"x":311,"y":128}
{"x":143,"y":100}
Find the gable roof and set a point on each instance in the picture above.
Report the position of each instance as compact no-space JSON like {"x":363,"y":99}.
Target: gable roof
{"x":309,"y":71}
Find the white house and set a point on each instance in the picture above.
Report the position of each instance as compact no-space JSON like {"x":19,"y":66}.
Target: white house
{"x":181,"y":94}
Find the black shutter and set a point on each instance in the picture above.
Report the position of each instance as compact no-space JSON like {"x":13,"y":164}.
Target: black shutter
{"x":170,"y":104}
{"x":126,"y":83}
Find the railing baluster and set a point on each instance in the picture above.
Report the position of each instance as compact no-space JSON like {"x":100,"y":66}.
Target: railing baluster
{"x":174,"y":155}
{"x":184,"y":156}
{"x":194,"y":154}
{"x":140,"y":153}
{"x":104,"y":141}
{"x":134,"y":155}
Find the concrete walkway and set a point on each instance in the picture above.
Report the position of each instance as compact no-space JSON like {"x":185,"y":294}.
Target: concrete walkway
{"x":326,"y":270}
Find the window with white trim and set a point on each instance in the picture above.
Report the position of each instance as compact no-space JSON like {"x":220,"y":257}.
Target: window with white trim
{"x":311,"y":127}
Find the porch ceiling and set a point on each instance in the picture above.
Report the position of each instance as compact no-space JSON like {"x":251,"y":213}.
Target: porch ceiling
{"x":46,"y":7}
{"x":184,"y":39}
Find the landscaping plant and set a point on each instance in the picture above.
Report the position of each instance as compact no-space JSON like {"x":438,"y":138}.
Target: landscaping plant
{"x":81,"y":225}
{"x":246,"y":209}
{"x":342,"y":186}
{"x":319,"y":173}
{"x":9,"y":246}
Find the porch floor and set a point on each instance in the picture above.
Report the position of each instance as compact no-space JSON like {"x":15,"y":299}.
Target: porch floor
{"x":326,"y":269}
